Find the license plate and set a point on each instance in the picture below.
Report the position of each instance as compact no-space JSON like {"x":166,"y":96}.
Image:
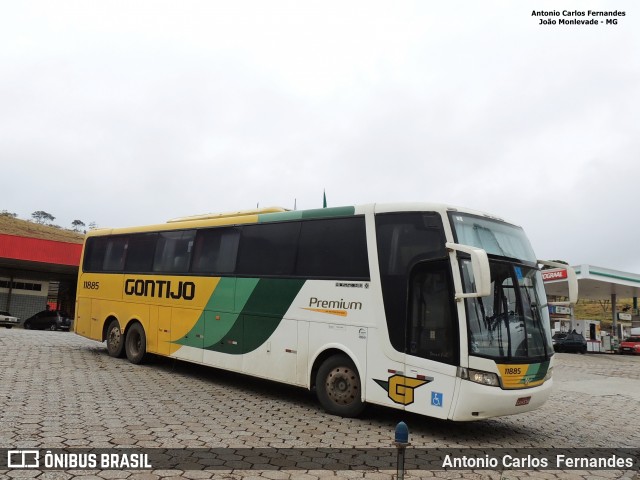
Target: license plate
{"x":522,"y":401}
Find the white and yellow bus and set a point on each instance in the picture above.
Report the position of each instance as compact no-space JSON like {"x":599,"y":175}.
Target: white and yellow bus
{"x":422,"y":307}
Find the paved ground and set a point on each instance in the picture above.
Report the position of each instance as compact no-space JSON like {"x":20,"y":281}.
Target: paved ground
{"x":58,"y":390}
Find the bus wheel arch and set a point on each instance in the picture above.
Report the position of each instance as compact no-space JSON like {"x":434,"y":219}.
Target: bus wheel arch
{"x":112,"y":333}
{"x":135,"y":342}
{"x":338,"y":384}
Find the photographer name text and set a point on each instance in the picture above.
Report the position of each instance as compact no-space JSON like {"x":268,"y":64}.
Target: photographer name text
{"x":578,"y":17}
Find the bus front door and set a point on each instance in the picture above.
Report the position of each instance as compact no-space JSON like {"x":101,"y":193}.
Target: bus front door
{"x":432,"y":340}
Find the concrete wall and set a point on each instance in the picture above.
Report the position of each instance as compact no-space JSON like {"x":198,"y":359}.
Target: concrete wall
{"x":25,"y":300}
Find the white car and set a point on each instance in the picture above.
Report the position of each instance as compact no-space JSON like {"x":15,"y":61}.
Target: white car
{"x":8,"y":320}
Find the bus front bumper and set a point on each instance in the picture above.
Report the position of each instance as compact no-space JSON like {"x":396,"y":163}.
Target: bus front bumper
{"x":476,"y":401}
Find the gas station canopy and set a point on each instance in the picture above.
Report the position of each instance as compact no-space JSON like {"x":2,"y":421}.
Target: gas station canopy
{"x":597,"y":283}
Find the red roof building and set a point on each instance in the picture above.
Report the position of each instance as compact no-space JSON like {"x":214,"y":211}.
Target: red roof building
{"x":36,"y":272}
{"x":16,"y":249}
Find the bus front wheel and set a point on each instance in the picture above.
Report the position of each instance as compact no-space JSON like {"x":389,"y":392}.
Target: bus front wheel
{"x":115,"y":340}
{"x":338,"y":387}
{"x":135,"y":343}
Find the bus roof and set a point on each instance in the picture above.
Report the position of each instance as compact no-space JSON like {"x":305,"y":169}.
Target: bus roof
{"x":275,"y":214}
{"x":241,"y":213}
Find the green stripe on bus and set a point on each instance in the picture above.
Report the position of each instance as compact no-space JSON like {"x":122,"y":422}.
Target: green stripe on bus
{"x":244,"y":289}
{"x":271,"y":298}
{"x":280,"y":217}
{"x":306,"y":214}
{"x":229,"y":297}
{"x":536,"y":371}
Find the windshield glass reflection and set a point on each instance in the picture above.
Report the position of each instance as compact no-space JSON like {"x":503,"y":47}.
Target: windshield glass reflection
{"x":512,"y":322}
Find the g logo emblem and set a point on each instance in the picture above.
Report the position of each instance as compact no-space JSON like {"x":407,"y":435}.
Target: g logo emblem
{"x":401,"y":389}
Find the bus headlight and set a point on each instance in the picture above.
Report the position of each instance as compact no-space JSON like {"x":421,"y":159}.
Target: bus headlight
{"x":478,"y":376}
{"x":549,"y":374}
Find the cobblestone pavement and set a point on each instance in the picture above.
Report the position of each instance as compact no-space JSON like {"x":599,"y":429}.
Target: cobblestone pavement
{"x":58,"y":390}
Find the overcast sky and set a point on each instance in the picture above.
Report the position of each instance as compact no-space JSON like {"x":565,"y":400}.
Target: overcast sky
{"x":133,"y":112}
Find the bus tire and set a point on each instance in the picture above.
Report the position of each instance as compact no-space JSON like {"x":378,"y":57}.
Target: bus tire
{"x":338,"y":387}
{"x":135,"y":344}
{"x":115,"y":339}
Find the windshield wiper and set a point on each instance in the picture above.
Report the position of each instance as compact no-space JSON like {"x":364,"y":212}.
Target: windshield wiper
{"x":537,"y":318}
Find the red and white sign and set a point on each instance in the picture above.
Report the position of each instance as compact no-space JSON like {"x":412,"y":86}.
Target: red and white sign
{"x":549,"y":275}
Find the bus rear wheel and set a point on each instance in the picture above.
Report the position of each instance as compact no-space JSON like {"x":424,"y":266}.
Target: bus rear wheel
{"x":115,"y":340}
{"x":135,"y":343}
{"x":338,"y":387}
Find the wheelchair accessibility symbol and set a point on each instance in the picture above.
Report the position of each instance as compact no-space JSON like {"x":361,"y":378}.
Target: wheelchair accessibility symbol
{"x":436,"y":399}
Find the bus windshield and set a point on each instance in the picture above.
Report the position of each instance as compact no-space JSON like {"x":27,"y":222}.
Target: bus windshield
{"x":512,"y":323}
{"x":493,"y":236}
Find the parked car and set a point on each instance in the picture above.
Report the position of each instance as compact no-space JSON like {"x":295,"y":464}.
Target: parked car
{"x":48,"y":320}
{"x":569,"y":342}
{"x":630,"y":345}
{"x":7,"y":320}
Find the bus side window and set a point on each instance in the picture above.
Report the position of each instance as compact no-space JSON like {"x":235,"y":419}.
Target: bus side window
{"x":140,"y":252}
{"x":268,"y":249}
{"x":404,"y":239}
{"x":114,"y":256}
{"x":215,"y":250}
{"x":95,"y":251}
{"x":333,"y":248}
{"x":433,"y":328}
{"x":173,"y":252}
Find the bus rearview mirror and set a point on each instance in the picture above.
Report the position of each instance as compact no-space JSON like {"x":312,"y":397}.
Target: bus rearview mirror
{"x":480,"y":268}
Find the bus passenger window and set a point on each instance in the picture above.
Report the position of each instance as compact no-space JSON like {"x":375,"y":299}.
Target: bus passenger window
{"x":94,"y":253}
{"x":140,"y":252}
{"x":333,"y":248}
{"x":215,"y":250}
{"x":173,"y":252}
{"x":404,"y":239}
{"x":268,"y":249}
{"x":114,"y":257}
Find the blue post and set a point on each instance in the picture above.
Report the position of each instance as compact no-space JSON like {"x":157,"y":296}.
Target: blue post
{"x":401,"y":442}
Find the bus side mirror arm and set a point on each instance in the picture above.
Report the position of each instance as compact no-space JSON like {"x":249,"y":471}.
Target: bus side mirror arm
{"x":480,"y":267}
{"x":572,"y":281}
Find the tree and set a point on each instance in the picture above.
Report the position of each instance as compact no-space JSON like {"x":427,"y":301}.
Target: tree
{"x":605,"y":305}
{"x":93,"y":225}
{"x":41,"y":216}
{"x":77,"y":224}
{"x":5,"y":213}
